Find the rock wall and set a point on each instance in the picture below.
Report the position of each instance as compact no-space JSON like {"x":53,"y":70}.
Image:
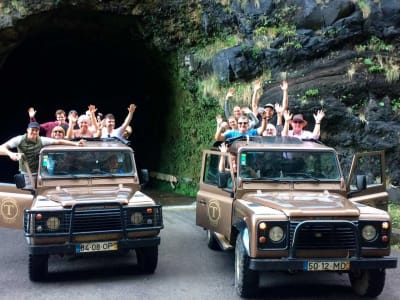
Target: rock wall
{"x":346,"y":52}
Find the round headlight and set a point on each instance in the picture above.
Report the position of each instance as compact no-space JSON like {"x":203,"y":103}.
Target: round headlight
{"x":368,"y":232}
{"x":276,"y":234}
{"x":137,"y":218}
{"x":53,"y":223}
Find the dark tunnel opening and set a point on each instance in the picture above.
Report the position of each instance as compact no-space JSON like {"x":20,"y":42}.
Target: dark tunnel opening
{"x":69,"y":63}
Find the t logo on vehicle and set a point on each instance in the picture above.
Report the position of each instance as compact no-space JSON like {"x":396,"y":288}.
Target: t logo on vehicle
{"x":9,"y":210}
{"x":214,"y":212}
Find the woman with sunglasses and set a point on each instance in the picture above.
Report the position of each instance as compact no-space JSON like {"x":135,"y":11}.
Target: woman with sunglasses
{"x":58,"y":132}
{"x":298,"y":124}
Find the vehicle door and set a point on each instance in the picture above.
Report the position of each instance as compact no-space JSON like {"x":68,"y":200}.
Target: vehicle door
{"x":367,"y":179}
{"x":13,"y":202}
{"x":214,"y":203}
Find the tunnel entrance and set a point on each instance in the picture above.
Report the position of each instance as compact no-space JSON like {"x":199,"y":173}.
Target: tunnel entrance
{"x":70,"y":59}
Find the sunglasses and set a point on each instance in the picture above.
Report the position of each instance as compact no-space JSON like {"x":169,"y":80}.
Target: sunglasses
{"x":243,"y":123}
{"x":57,"y":131}
{"x":298,"y":122}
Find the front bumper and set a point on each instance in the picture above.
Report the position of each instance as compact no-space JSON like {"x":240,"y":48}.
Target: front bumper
{"x":298,"y":264}
{"x":70,"y":248}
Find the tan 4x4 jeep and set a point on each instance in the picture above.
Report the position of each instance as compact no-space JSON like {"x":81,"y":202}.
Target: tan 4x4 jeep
{"x":284,"y":205}
{"x":87,"y":200}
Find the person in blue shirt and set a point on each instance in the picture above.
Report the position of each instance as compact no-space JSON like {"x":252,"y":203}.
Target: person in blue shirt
{"x":113,"y":165}
{"x":243,"y":129}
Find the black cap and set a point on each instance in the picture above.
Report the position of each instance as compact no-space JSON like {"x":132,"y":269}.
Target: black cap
{"x":34,"y":125}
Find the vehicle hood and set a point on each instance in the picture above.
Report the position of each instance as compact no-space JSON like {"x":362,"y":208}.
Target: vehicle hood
{"x":67,"y":197}
{"x":299,"y":204}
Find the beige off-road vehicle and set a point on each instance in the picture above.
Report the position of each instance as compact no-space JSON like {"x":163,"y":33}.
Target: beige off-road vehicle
{"x":87,"y":200}
{"x":284,"y":205}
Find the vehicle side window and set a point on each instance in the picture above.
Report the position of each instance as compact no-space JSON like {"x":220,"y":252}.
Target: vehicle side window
{"x":211,"y":169}
{"x":371,"y":167}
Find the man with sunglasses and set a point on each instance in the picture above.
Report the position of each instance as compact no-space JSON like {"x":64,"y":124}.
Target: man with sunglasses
{"x":243,"y":129}
{"x":298,"y":124}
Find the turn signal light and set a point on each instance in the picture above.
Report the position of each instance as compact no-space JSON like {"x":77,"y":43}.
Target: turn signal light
{"x":385,"y":238}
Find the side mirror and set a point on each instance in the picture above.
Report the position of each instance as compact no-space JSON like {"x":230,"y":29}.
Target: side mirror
{"x":223,"y":179}
{"x":19,"y":181}
{"x":361,"y":182}
{"x":144,"y":176}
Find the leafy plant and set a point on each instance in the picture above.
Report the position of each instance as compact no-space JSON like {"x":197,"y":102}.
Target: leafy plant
{"x":395,"y":105}
{"x":312,"y":93}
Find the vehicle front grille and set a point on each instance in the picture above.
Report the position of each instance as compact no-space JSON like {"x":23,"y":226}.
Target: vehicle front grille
{"x":91,"y":219}
{"x":97,"y":220}
{"x":323,"y":235}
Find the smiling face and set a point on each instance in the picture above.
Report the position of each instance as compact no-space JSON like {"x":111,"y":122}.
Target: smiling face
{"x":237,"y":112}
{"x":298,"y":125}
{"x":32,"y":133}
{"x":243,"y":124}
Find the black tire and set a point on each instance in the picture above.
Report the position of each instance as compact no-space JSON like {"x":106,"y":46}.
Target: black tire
{"x":212,"y":241}
{"x":38,"y":267}
{"x":246,"y":280}
{"x":147,"y":259}
{"x":368,"y":283}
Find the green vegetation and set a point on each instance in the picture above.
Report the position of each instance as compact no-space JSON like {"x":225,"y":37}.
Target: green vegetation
{"x":395,"y":105}
{"x":394,"y":211}
{"x":277,"y":25}
{"x":379,"y":63}
{"x":208,"y":51}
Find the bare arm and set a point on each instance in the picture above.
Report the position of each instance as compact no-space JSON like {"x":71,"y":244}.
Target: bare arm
{"x":71,"y":126}
{"x":285,"y":97}
{"x":70,"y":143}
{"x":93,"y":119}
{"x":128,"y":119}
{"x":4,"y":150}
{"x":256,"y":96}
{"x":261,"y":129}
{"x":223,"y":148}
{"x":288,"y":116}
{"x":32,"y":113}
{"x":317,"y":128}
{"x":218,"y":135}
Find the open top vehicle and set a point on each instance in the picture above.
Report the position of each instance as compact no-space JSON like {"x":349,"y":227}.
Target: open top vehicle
{"x":283,"y":204}
{"x":87,"y":200}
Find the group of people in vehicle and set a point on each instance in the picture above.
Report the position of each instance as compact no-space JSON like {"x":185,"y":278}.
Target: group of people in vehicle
{"x":86,"y":125}
{"x":61,"y":132}
{"x":259,"y":121}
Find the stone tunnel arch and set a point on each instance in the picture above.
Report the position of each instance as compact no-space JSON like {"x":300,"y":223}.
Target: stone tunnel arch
{"x":72,"y":58}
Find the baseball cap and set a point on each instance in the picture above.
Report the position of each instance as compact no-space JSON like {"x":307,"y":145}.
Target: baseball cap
{"x":299,"y":118}
{"x":33,"y":125}
{"x":270,"y":105}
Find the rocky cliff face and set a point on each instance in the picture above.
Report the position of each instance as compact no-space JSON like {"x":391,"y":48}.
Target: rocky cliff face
{"x":339,"y":55}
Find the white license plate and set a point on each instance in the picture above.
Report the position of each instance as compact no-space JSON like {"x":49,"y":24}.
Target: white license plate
{"x":327,"y":266}
{"x":96,"y":246}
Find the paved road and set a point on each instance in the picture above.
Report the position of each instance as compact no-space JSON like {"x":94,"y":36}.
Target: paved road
{"x":187,"y":269}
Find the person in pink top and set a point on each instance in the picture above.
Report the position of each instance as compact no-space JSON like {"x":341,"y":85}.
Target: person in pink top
{"x":298,"y":124}
{"x":61,"y":120}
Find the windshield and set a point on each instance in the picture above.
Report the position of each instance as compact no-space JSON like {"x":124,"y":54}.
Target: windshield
{"x":75,"y":163}
{"x":292,"y":165}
